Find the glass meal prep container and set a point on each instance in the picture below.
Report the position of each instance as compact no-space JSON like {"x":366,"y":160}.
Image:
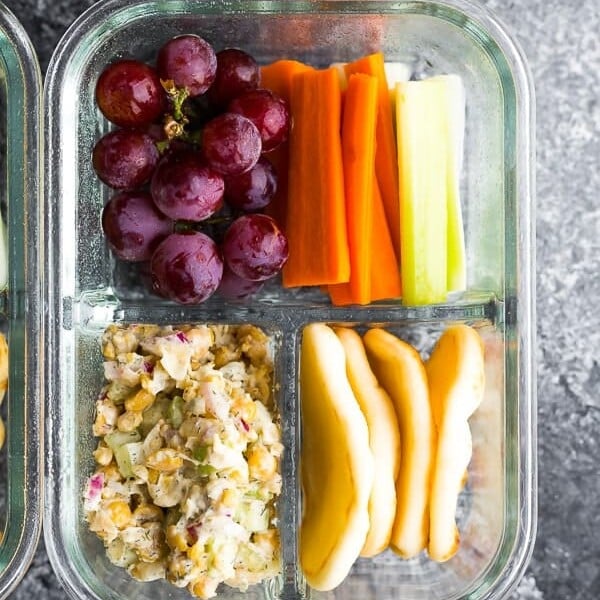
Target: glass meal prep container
{"x":20,"y":317}
{"x":87,"y":290}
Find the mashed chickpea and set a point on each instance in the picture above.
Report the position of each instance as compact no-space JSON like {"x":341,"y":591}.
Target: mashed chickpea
{"x":188,"y":460}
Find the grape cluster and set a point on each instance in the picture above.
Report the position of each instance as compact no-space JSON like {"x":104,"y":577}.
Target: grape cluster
{"x":190,"y":170}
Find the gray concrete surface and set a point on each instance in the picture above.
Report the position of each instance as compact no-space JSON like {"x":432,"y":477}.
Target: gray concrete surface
{"x":562,"y":41}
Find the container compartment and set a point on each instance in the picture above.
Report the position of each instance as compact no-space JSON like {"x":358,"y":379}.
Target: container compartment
{"x":430,"y":39}
{"x":84,"y":548}
{"x":20,"y":318}
{"x":88,"y":290}
{"x":485,"y":511}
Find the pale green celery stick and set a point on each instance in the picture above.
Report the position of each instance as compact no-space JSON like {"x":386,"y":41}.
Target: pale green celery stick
{"x":422,"y":162}
{"x":3,"y":255}
{"x":455,"y":115}
{"x":395,"y":72}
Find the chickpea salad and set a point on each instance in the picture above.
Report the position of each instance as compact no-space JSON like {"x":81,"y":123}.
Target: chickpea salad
{"x":187,"y":474}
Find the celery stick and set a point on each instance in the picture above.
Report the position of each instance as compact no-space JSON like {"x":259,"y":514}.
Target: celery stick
{"x":455,"y":115}
{"x":422,"y":161}
{"x":395,"y":72}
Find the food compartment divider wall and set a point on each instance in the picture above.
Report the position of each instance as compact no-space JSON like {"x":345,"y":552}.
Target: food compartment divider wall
{"x":20,"y":311}
{"x":87,"y":291}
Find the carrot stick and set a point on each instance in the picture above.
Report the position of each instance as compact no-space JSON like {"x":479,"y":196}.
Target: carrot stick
{"x":278,"y":77}
{"x":358,"y":151}
{"x":385,"y":274}
{"x":385,"y":266}
{"x":386,"y":162}
{"x":340,"y":294}
{"x":316,"y":212}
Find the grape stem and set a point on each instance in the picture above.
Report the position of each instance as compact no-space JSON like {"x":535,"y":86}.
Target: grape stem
{"x":162,"y":146}
{"x":177,"y":96}
{"x":173,"y":128}
{"x":175,"y":122}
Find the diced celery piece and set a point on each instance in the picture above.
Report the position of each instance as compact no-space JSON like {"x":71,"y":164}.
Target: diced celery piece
{"x":253,"y":516}
{"x":116,"y":439}
{"x":206,"y":470}
{"x":120,"y":554}
{"x":422,"y":163}
{"x":118,"y":391}
{"x":152,"y":415}
{"x":175,"y":411}
{"x":200,"y":453}
{"x":127,"y":456}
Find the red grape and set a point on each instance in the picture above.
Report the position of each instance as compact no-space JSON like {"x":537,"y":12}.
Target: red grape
{"x":125,"y":159}
{"x":236,"y":288}
{"x":231,"y":144}
{"x":268,"y":112}
{"x":253,"y":189}
{"x":189,"y":61}
{"x":134,"y":226}
{"x":186,"y":267}
{"x":129,"y":94}
{"x":237,"y":72}
{"x":185,"y":187}
{"x":255,"y":248}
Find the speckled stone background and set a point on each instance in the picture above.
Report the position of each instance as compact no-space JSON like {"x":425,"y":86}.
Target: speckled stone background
{"x":562,"y":41}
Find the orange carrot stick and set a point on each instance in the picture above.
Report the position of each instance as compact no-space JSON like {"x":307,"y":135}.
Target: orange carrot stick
{"x":386,"y":282}
{"x":358,"y":151}
{"x":278,"y":77}
{"x":386,"y":163}
{"x":385,"y":266}
{"x":316,"y":212}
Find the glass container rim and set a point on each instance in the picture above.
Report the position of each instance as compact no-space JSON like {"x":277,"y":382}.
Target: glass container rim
{"x":26,"y":447}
